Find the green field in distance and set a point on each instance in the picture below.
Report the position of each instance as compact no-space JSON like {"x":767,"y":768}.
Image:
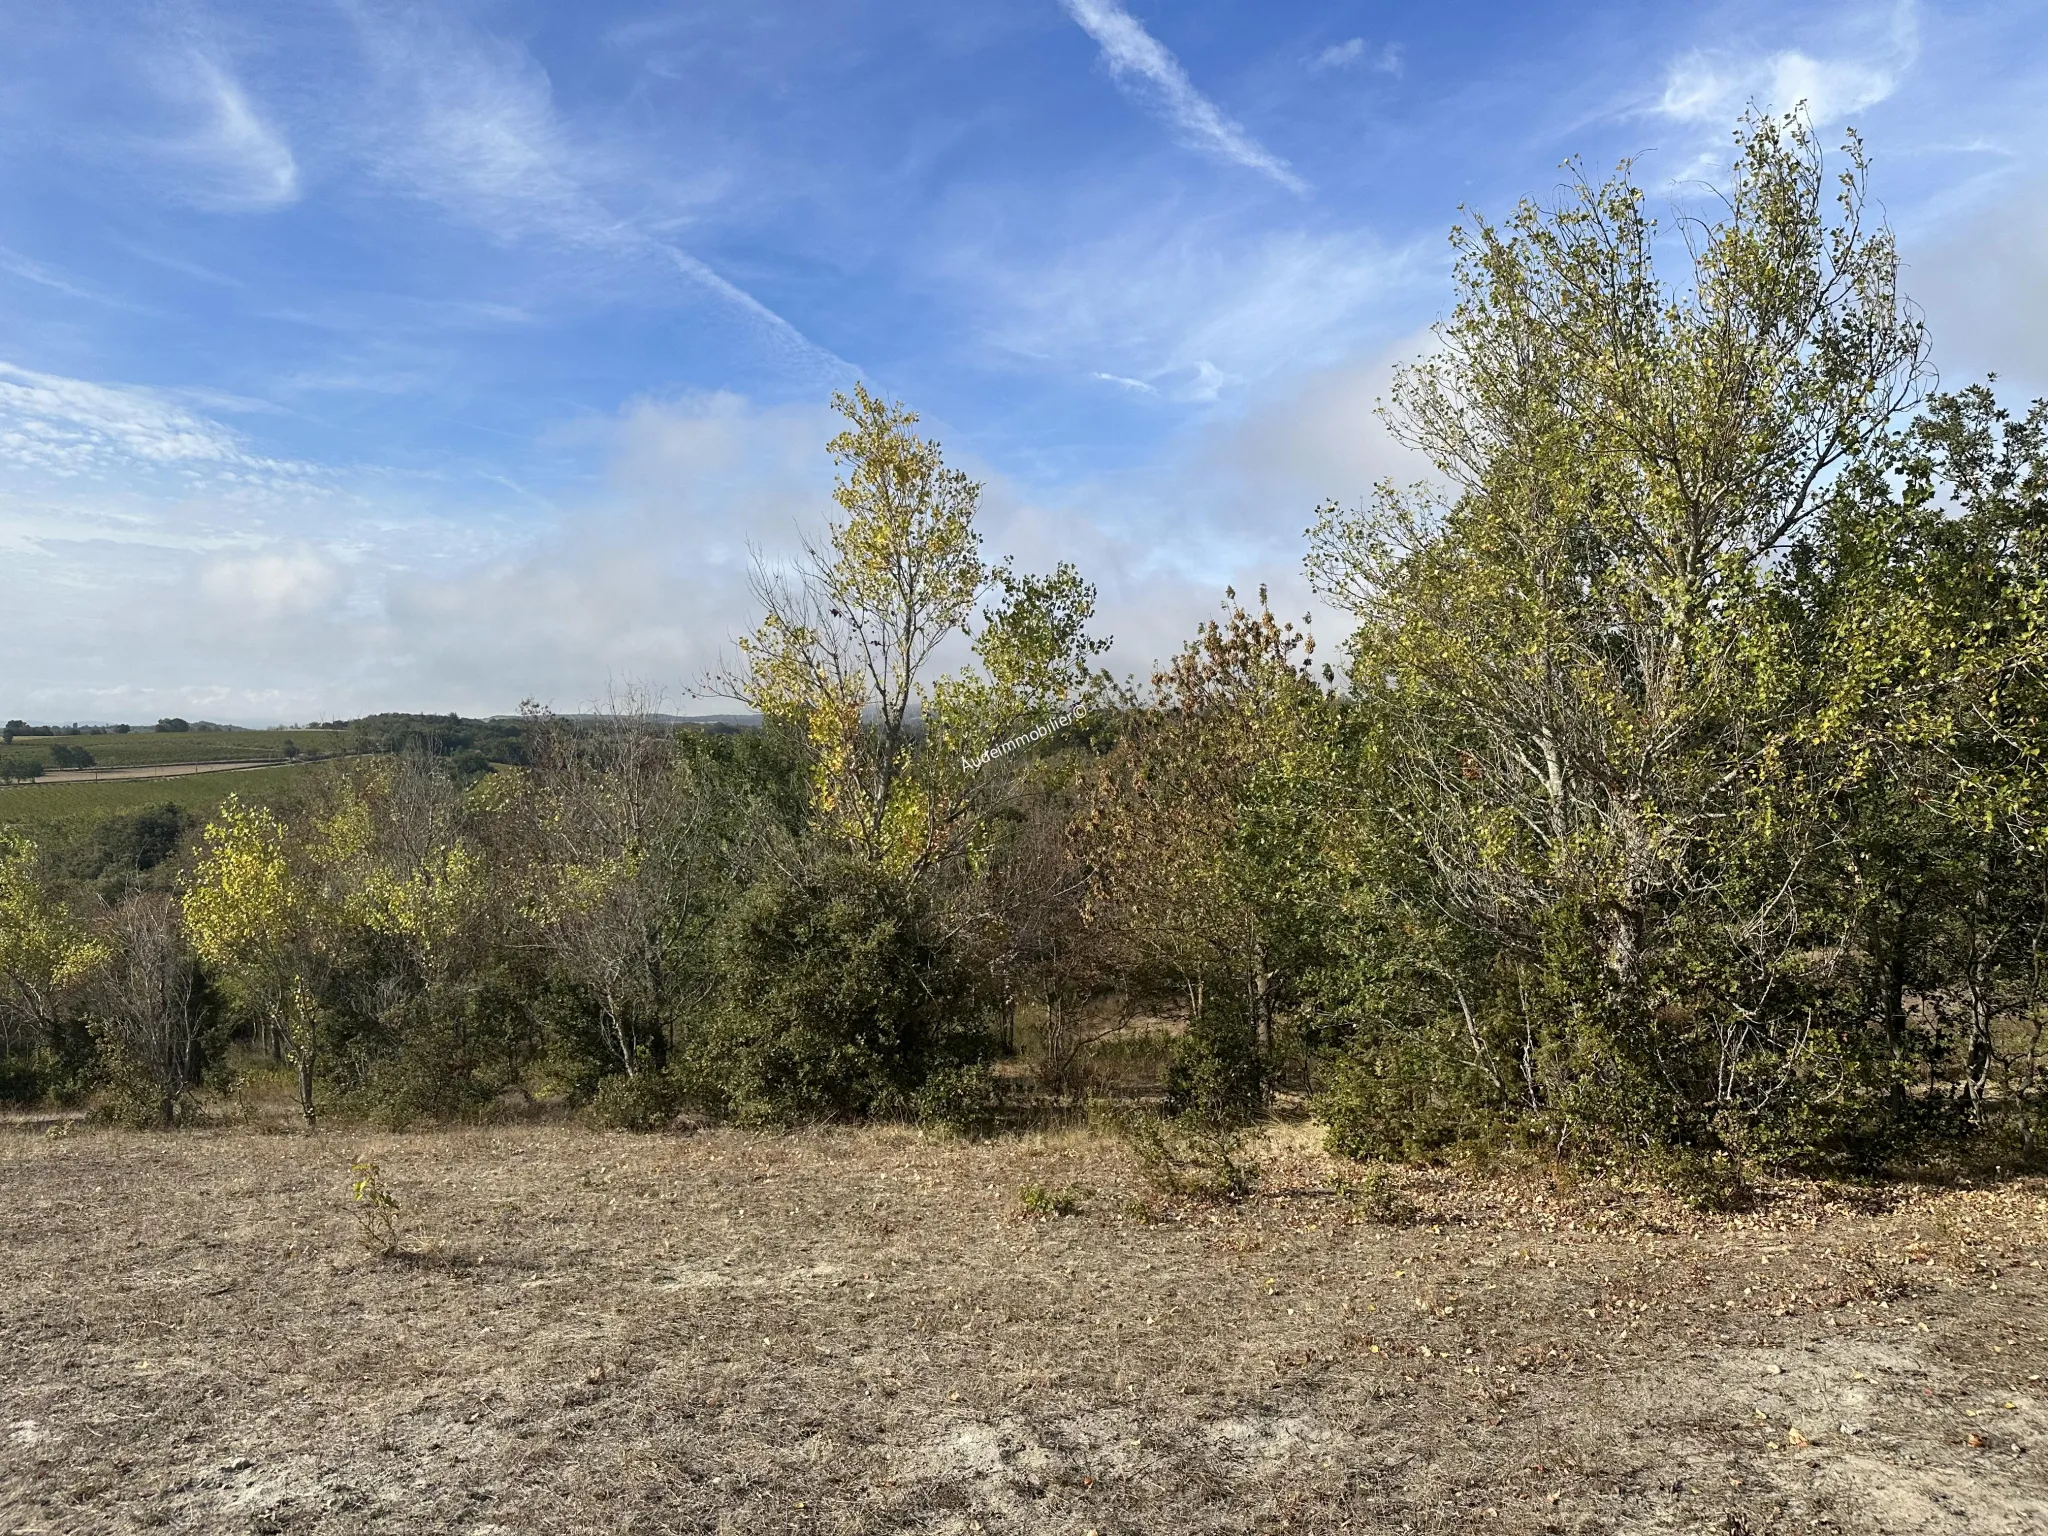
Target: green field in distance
{"x":33,"y":806}
{"x":149,"y":747}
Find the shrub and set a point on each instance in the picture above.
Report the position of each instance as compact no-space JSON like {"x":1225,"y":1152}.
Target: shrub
{"x":641,"y":1101}
{"x":1405,"y":1096}
{"x":1188,"y":1157}
{"x":839,"y":1000}
{"x":1374,"y":1196}
{"x":448,"y":1053}
{"x":139,"y":841}
{"x":1215,"y":1073}
{"x":1039,"y":1200}
{"x":963,"y":1100}
{"x":374,"y":1207}
{"x":154,"y":1016}
{"x":1704,"y":1180}
{"x":25,"y":1076}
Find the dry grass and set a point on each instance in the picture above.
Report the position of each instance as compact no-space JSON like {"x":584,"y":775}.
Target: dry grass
{"x":867,"y":1332}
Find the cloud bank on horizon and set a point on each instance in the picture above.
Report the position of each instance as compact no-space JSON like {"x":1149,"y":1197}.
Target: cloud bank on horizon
{"x":435,"y":355}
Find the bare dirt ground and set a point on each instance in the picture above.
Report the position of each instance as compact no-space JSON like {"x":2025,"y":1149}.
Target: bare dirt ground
{"x":863,"y":1332}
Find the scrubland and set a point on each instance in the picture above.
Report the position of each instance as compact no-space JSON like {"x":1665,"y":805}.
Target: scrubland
{"x":866,"y":1331}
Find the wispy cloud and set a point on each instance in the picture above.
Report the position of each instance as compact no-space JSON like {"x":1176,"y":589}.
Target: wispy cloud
{"x":236,"y":159}
{"x":1135,"y":55}
{"x":1190,"y":314}
{"x":478,"y":133}
{"x":35,"y":272}
{"x":1703,"y":89}
{"x":1354,"y":53}
{"x":1712,"y":87}
{"x":70,"y":427}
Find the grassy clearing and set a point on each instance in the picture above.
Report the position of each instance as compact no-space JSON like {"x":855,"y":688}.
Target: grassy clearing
{"x":870,"y":1331}
{"x":138,"y":748}
{"x":79,"y":804}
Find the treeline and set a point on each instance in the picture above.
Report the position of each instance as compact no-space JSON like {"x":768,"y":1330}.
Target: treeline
{"x":1679,"y":792}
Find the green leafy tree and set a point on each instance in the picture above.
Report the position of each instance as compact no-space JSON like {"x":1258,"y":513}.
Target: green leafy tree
{"x":48,"y":957}
{"x":848,"y":649}
{"x":845,"y":650}
{"x":262,"y":911}
{"x":1200,"y":839}
{"x":1578,"y":662}
{"x":1920,"y":746}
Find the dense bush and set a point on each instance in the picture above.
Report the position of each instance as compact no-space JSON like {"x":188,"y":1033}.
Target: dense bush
{"x":839,"y":998}
{"x":1216,"y":1072}
{"x":963,"y":1099}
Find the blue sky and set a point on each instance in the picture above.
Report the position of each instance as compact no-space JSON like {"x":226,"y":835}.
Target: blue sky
{"x":359,"y":355}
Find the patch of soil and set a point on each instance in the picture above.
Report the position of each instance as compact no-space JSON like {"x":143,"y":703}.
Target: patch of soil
{"x":864,"y":1332}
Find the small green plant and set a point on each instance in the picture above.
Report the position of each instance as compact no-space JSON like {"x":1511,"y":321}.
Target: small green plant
{"x":1374,"y":1196}
{"x":375,"y":1208}
{"x":1181,"y":1156}
{"x":1040,"y":1200}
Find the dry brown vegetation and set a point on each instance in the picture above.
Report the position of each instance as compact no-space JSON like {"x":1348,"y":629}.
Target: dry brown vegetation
{"x":866,"y":1331}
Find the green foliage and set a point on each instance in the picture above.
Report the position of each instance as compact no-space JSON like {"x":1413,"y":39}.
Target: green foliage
{"x":375,"y":1208}
{"x":1705,"y":1180}
{"x":839,"y":997}
{"x":25,"y":1076}
{"x":449,"y":1052}
{"x":1410,"y":1097}
{"x":1183,"y":1157}
{"x":962,"y":1099}
{"x":1375,"y":1196}
{"x":141,"y":841}
{"x":646,"y":1100}
{"x":1682,"y":805}
{"x":1702,"y":747}
{"x":1042,"y":1201}
{"x":129,"y":1093}
{"x":49,"y":961}
{"x":1215,"y":1072}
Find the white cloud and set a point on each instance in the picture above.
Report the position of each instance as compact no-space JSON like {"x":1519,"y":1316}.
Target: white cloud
{"x":69,"y":427}
{"x":469,"y":123}
{"x":268,"y":587}
{"x":1132,"y":53}
{"x":1703,"y":89}
{"x":1355,"y":53}
{"x":1713,"y":87}
{"x":344,"y":604}
{"x":234,"y":159}
{"x":1188,"y":311}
